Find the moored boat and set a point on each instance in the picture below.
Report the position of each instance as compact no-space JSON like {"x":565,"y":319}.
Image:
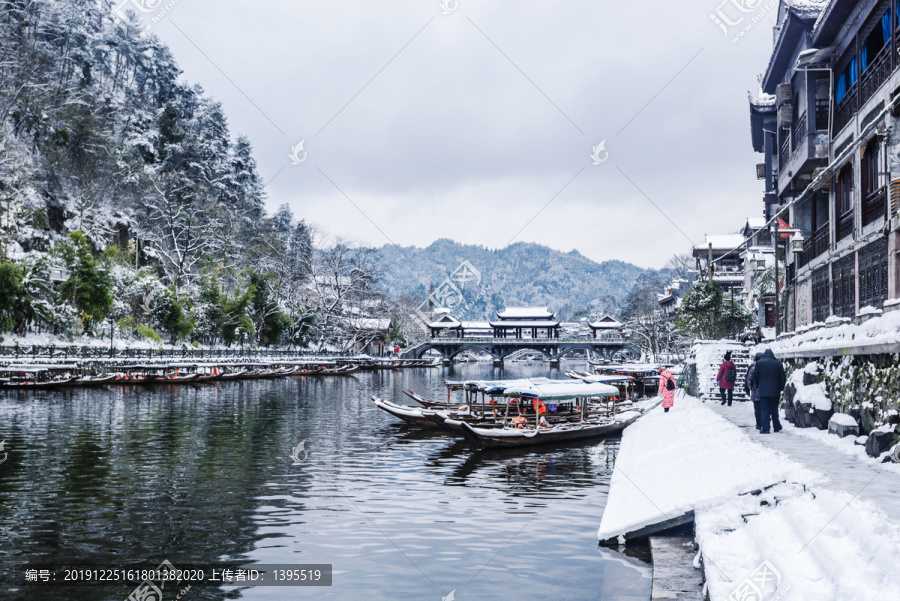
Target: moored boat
{"x":603,"y":420}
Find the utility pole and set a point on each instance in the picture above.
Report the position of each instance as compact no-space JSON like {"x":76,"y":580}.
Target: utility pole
{"x":731,"y":311}
{"x":777,"y":291}
{"x":709,"y":262}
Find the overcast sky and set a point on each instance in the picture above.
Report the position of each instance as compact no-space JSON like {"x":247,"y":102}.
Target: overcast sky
{"x":420,"y":125}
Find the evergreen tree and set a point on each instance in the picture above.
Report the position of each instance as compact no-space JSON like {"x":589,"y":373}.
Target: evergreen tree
{"x":89,"y":286}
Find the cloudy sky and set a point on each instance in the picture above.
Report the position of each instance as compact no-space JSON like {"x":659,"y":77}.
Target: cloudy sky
{"x":479,"y":124}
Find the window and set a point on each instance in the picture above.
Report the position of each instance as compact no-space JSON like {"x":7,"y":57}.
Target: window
{"x":846,"y":80}
{"x":869,"y":168}
{"x":877,"y":40}
{"x":844,"y":191}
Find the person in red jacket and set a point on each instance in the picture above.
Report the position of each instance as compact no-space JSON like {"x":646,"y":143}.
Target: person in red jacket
{"x":726,"y":379}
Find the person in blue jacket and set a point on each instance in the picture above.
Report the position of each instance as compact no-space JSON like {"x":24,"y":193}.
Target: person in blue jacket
{"x":769,"y":379}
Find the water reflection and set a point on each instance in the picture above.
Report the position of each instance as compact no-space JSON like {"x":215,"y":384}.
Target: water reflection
{"x":203,"y":474}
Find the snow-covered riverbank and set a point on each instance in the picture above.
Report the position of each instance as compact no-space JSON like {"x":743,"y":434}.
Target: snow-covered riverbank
{"x":798,"y":522}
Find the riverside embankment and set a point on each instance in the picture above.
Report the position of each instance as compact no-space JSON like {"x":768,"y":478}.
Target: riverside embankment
{"x":778,"y":512}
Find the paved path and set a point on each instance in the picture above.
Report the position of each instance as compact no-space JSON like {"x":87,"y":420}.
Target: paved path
{"x":868,"y":480}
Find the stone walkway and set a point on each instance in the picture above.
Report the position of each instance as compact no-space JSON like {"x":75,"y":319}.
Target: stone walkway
{"x":866,"y":479}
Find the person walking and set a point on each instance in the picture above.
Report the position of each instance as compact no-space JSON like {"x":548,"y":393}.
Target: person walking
{"x":752,"y":391}
{"x":667,"y":385}
{"x":769,"y":379}
{"x":726,"y":379}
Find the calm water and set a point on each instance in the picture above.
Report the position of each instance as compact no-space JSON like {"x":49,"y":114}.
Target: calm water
{"x":202,"y":475}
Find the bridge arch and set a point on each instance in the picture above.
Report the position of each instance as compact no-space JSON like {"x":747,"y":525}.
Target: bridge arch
{"x":460,"y":351}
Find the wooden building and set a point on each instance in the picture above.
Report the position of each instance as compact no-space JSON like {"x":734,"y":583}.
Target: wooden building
{"x":825,"y":122}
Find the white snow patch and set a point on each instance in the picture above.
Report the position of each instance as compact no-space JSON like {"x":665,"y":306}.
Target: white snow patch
{"x":684,"y":460}
{"x":814,"y":394}
{"x":826,"y":546}
{"x":843,"y":419}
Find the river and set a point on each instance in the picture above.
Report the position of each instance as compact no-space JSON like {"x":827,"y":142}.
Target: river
{"x":202,"y":475}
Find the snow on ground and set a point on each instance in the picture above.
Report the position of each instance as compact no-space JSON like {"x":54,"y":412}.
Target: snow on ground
{"x":822,"y":544}
{"x":687,"y":459}
{"x":845,"y":445}
{"x":820,"y":529}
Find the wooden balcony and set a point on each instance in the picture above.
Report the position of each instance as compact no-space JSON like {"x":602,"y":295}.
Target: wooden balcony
{"x":844,"y":226}
{"x":816,"y":245}
{"x":875,"y":75}
{"x":784,"y":155}
{"x":874,"y":206}
{"x":798,"y":133}
{"x":845,"y":111}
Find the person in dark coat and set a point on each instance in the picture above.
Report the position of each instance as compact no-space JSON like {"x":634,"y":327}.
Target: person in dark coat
{"x":726,"y":386}
{"x":752,"y":391}
{"x":769,"y":379}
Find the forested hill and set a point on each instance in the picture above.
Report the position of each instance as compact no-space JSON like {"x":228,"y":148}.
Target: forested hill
{"x":128,"y":181}
{"x":520,"y":274}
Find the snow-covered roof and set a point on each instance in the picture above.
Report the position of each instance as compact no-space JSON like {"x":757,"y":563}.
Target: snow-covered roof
{"x":525,"y":313}
{"x":476,"y":325}
{"x":729,"y":279}
{"x":543,"y":323}
{"x":447,"y":321}
{"x":756,"y":223}
{"x":605,"y":322}
{"x":372,"y":323}
{"x":809,"y":8}
{"x":763,"y":100}
{"x":721,"y":242}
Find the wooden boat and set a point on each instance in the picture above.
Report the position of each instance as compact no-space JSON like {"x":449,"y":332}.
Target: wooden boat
{"x":234,"y":375}
{"x":513,"y":437}
{"x":307,"y":372}
{"x":346,"y":370}
{"x":25,"y":384}
{"x":38,"y":377}
{"x":412,"y":415}
{"x":422,"y":400}
{"x":95,"y":380}
{"x":540,"y":430}
{"x":175,"y":379}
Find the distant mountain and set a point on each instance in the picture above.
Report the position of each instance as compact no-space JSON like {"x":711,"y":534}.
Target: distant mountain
{"x":522,"y":274}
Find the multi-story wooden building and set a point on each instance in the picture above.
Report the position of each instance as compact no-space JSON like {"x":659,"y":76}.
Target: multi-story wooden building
{"x":826,"y":122}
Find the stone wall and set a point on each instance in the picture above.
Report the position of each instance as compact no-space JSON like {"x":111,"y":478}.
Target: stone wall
{"x":865,"y":387}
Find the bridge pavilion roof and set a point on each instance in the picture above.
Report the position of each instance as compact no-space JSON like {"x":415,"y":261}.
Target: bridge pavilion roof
{"x":525,"y":313}
{"x":547,"y":323}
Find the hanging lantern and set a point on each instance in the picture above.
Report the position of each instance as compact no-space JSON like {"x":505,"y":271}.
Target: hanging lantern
{"x":797,"y":242}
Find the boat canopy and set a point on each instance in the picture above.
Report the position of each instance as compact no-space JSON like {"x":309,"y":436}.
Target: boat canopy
{"x":606,"y":379}
{"x":34,"y":369}
{"x":558,"y":390}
